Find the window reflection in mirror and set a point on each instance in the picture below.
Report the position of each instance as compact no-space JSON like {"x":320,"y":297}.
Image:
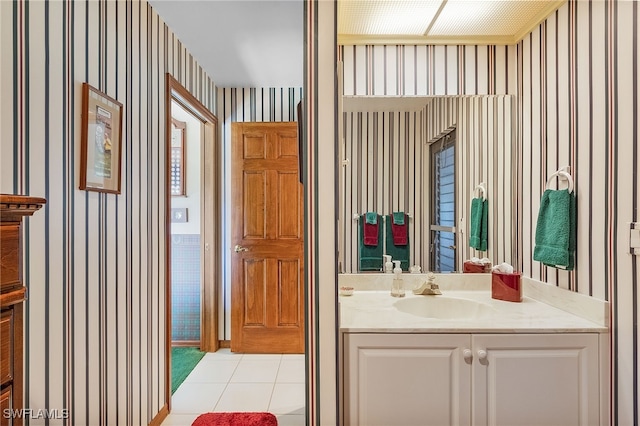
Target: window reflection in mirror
{"x":443,"y":204}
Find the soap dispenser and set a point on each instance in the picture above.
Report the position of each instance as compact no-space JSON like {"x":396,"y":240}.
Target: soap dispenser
{"x":388,"y":266}
{"x":397,"y":287}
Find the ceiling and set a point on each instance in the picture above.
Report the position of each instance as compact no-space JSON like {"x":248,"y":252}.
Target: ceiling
{"x":440,"y":21}
{"x":259,"y":43}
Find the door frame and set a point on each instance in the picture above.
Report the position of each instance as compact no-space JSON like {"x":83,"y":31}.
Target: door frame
{"x":210,"y":206}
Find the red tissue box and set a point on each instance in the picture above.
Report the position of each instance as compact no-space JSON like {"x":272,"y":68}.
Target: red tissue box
{"x":506,"y":286}
{"x":475,"y":268}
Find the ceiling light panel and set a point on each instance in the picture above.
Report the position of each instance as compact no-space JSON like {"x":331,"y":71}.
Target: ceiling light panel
{"x":486,"y":18}
{"x":386,"y":17}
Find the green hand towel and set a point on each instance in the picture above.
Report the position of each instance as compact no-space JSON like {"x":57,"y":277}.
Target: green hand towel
{"x":400,"y":253}
{"x":369,"y":257}
{"x":556,"y":229}
{"x":398,"y":218}
{"x":479,"y":232}
{"x":372,"y":218}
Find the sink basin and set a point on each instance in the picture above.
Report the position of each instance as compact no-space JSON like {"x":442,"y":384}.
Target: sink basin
{"x":443,"y":307}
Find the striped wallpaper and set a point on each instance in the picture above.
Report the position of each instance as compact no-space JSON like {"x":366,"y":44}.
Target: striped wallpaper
{"x":320,"y":149}
{"x":94,"y":263}
{"x":578,"y":106}
{"x":429,"y":70}
{"x":245,"y":105}
{"x":389,"y":171}
{"x":575,"y":78}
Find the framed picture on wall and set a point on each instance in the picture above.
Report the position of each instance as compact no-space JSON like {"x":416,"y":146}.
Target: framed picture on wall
{"x":100,"y":141}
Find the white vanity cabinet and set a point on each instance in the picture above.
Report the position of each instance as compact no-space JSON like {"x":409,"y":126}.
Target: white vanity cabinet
{"x":470,"y":379}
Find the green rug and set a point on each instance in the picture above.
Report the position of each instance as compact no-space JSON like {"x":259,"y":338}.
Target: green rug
{"x":183,"y":360}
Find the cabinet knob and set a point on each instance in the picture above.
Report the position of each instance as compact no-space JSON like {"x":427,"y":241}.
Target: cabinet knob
{"x":482,"y":354}
{"x":467,"y":354}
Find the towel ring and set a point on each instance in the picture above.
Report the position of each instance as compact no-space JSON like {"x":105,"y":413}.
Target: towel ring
{"x":563,"y":175}
{"x":483,"y":189}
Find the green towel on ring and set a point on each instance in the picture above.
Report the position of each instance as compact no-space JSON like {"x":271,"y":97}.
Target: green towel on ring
{"x":556,"y":229}
{"x":479,"y":232}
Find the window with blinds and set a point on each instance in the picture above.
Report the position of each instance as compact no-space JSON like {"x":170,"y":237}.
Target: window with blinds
{"x":443,"y":202}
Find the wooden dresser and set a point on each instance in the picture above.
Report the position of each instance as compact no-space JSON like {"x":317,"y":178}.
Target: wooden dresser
{"x":13,"y":208}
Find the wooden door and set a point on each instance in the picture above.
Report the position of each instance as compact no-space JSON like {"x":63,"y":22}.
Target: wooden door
{"x":267,"y":267}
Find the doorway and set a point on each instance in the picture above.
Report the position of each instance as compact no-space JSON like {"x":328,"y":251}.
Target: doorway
{"x":191,"y":218}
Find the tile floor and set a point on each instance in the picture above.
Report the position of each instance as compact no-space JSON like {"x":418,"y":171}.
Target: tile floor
{"x":225,"y":381}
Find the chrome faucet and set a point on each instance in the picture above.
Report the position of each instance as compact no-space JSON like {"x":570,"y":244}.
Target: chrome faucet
{"x":428,"y":288}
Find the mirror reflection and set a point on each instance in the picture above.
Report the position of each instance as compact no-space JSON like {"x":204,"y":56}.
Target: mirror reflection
{"x":426,"y":157}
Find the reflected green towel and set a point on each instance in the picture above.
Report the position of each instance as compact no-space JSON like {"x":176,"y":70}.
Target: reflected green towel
{"x":400,"y":253}
{"x":369,"y":257}
{"x":556,"y":229}
{"x":479,"y":232}
{"x":398,"y":218}
{"x":372,"y":218}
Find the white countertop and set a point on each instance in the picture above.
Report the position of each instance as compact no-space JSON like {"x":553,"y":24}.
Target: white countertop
{"x":369,"y":311}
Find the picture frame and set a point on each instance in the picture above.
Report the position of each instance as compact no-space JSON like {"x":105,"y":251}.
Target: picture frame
{"x":100,"y":142}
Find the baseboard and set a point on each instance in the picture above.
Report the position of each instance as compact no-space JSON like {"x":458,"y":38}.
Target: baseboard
{"x":185,"y":343}
{"x":160,"y":417}
{"x":225,"y":344}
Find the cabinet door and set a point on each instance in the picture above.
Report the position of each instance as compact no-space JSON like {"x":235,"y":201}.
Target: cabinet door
{"x":535,"y":379}
{"x":406,"y":379}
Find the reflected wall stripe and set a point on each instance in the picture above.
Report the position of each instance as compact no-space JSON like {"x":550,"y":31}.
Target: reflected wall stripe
{"x":634,"y":264}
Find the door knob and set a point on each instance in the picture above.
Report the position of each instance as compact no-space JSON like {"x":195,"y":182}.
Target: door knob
{"x":482,"y":354}
{"x":239,"y":248}
{"x":467,"y":354}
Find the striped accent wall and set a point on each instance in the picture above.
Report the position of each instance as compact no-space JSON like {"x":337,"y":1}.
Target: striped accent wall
{"x":388,"y":170}
{"x":486,"y":150}
{"x":579,"y":107}
{"x":429,"y":70}
{"x":320,"y":151}
{"x":384,"y":175}
{"x":245,"y":105}
{"x":94,"y":263}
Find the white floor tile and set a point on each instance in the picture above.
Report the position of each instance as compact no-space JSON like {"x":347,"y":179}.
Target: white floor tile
{"x":227,"y":381}
{"x":262,"y":356}
{"x":212,"y":370}
{"x":180,"y":419}
{"x":256,"y":371}
{"x":196,"y":398}
{"x":291,"y":371}
{"x":288,"y":398}
{"x":293,"y":356}
{"x":245,"y":397}
{"x":224,"y":354}
{"x":290,"y":420}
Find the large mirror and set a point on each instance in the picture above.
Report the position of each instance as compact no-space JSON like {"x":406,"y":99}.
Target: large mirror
{"x":399,"y":154}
